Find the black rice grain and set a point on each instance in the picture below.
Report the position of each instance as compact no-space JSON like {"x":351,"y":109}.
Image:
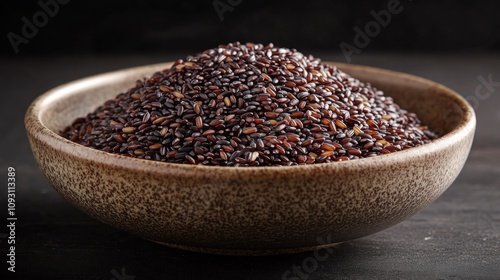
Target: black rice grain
{"x":250,"y":105}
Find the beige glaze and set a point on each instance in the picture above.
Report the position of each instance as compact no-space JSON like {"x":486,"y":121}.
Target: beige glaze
{"x":251,"y":210}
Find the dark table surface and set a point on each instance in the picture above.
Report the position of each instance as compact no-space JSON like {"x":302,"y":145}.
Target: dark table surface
{"x":456,"y":237}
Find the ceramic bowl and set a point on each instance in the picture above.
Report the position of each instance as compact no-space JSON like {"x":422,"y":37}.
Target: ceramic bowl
{"x":251,"y":210}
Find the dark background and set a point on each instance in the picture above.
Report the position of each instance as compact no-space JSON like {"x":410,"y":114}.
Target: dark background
{"x":110,"y":27}
{"x":450,"y":42}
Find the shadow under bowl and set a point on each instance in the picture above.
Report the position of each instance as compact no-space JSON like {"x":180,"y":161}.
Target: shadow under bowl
{"x":251,"y":210}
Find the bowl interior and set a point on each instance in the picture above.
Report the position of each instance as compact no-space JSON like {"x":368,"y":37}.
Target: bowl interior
{"x":434,"y":104}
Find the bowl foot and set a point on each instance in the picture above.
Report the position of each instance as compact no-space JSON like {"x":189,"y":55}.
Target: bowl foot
{"x":245,"y":252}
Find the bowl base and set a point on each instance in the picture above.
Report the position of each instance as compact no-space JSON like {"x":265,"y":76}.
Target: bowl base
{"x":245,"y":252}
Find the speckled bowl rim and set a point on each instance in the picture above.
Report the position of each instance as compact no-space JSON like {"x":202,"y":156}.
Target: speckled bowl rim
{"x":58,"y":142}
